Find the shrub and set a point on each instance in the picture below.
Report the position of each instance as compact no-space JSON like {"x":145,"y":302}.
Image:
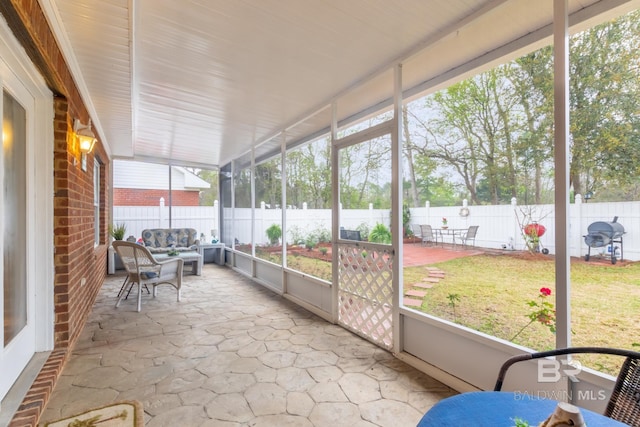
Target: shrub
{"x":363,"y":228}
{"x":322,"y":235}
{"x":310,"y":242}
{"x":380,"y":234}
{"x":274,"y":232}
{"x":406,"y":218}
{"x":295,"y":235}
{"x":323,"y":250}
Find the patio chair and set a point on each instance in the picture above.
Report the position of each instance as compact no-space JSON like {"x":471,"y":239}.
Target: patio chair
{"x":142,"y":269}
{"x":466,"y":236}
{"x":624,"y":403}
{"x":428,"y":235}
{"x":417,"y":231}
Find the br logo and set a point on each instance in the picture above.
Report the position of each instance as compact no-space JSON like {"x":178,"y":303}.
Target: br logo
{"x":551,"y":371}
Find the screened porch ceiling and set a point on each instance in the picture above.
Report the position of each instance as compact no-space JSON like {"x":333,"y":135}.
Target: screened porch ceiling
{"x":202,"y":82}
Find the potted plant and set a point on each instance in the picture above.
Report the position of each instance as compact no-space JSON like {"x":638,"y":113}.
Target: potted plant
{"x":274,"y":232}
{"x":380,"y":234}
{"x":118,"y":231}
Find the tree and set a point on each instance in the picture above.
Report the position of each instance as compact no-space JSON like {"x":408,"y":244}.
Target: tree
{"x":268,"y":183}
{"x":309,"y":175}
{"x":532,"y":79}
{"x":408,"y":148}
{"x":471,"y":132}
{"x":604,"y":102}
{"x":364,"y":173}
{"x":211,"y":194}
{"x":495,"y":130}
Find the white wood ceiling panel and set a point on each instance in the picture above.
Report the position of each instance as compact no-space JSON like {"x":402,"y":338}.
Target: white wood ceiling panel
{"x":100,"y":48}
{"x":213,"y":78}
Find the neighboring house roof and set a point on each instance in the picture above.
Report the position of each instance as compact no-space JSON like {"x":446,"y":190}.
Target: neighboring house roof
{"x":131,"y":174}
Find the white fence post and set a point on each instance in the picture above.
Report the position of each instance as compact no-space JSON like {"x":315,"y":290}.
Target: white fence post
{"x":575,"y":222}
{"x":514,"y":238}
{"x":262,"y":238}
{"x":161,"y":218}
{"x":427,"y":214}
{"x":216,"y":220}
{"x":371,"y":224}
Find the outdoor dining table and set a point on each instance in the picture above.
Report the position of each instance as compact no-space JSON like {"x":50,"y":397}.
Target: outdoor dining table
{"x":446,"y":231}
{"x":500,"y":409}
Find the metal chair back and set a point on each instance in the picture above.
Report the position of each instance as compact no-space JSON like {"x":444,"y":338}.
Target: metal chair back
{"x":469,"y":235}
{"x":427,"y":234}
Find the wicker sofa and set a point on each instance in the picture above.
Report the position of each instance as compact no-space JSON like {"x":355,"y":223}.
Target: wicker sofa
{"x":162,"y":240}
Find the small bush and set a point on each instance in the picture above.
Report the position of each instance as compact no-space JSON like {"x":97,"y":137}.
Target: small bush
{"x":310,"y":242}
{"x":322,"y":235}
{"x":323,"y":250}
{"x":380,"y":234}
{"x":274,"y":232}
{"x":363,"y":228}
{"x":296,"y":236}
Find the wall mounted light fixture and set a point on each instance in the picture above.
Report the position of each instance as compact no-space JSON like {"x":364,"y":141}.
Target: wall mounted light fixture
{"x":86,"y":140}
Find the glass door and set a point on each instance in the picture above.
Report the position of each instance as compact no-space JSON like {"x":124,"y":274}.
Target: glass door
{"x":17,"y":340}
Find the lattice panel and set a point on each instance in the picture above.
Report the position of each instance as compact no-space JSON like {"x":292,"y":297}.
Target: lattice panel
{"x":365,"y":293}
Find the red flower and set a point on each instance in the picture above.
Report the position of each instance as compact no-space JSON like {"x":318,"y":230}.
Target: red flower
{"x":543,"y":312}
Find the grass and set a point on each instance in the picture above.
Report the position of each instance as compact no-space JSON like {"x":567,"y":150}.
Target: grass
{"x":493,"y":293}
{"x":490,"y":293}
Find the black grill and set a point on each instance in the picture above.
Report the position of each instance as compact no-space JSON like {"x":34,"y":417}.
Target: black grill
{"x":601,"y":234}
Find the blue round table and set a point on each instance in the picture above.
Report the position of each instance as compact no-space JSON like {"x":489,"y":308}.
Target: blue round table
{"x":499,"y":409}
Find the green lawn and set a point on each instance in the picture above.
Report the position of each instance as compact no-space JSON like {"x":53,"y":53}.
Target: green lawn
{"x":493,"y":293}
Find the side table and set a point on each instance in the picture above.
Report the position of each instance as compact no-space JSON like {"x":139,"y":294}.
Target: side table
{"x":218,"y":247}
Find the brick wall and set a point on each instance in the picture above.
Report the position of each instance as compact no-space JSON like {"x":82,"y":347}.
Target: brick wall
{"x":80,"y":266}
{"x":142,"y":197}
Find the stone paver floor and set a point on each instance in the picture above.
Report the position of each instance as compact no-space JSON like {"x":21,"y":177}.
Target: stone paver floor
{"x":233,"y":353}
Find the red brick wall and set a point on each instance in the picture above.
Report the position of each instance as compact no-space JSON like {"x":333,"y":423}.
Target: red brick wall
{"x":80,"y":266}
{"x":142,"y":197}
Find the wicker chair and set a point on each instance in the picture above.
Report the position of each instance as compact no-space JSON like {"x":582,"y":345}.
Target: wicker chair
{"x":624,"y":404}
{"x":143,"y":269}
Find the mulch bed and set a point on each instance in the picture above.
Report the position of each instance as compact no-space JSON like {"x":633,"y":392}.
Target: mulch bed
{"x":536,"y":256}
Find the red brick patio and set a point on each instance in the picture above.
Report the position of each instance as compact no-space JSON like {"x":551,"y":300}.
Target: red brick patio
{"x":416,"y":254}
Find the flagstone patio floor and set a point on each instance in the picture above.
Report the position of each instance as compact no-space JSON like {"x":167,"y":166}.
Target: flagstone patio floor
{"x":233,"y":353}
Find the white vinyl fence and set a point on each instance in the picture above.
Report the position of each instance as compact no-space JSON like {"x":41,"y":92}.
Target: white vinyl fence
{"x":499,"y":225}
{"x":137,"y":218}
